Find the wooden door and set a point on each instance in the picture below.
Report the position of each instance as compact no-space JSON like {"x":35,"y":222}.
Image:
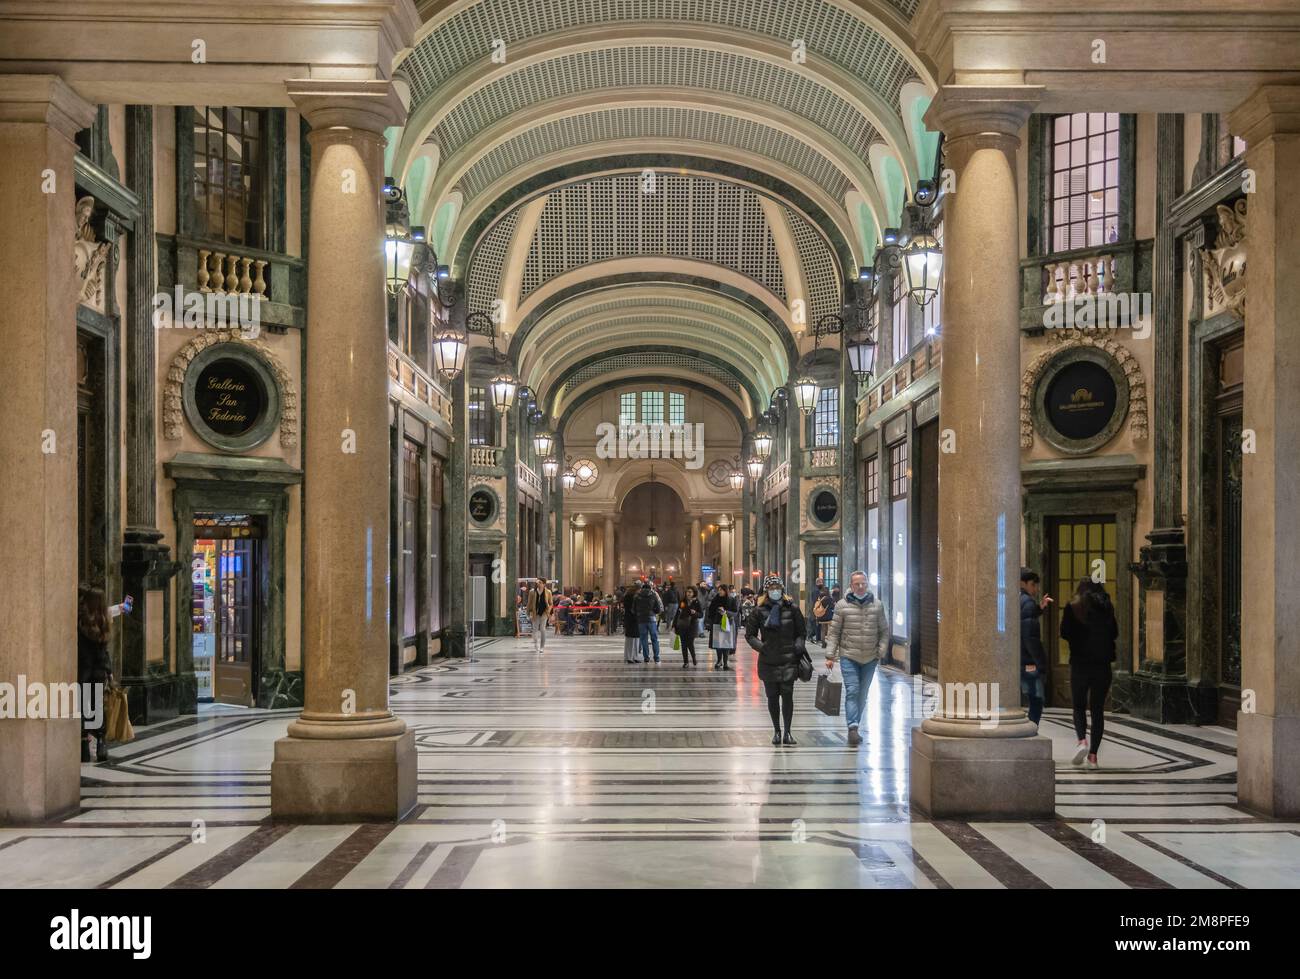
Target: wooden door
{"x":1081,"y":547}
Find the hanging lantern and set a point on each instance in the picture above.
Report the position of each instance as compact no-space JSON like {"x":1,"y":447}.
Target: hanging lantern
{"x":737,"y":478}
{"x":862,"y":357}
{"x":805,"y":394}
{"x":762,"y":443}
{"x":399,"y":246}
{"x":449,"y":349}
{"x":550,"y":467}
{"x":652,"y":539}
{"x":570,"y":478}
{"x":503,"y":388}
{"x":755,"y":467}
{"x":542,"y":442}
{"x":923,"y":262}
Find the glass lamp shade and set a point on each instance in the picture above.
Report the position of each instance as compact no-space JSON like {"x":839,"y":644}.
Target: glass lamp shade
{"x":550,"y":467}
{"x":923,"y":262}
{"x":805,"y":394}
{"x":652,"y":539}
{"x":762,"y":444}
{"x":570,"y":479}
{"x":449,"y":349}
{"x":862,"y":357}
{"x":755,"y":467}
{"x":398,"y":249}
{"x":542,"y":442}
{"x":503,"y":388}
{"x":737,"y":479}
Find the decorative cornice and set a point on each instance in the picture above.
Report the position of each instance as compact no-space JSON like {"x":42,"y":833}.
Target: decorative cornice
{"x":44,"y":99}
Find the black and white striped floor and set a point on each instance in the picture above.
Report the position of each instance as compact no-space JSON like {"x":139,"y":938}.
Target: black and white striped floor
{"x":573,"y":768}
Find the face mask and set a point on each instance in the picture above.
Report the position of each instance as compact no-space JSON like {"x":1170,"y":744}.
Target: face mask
{"x":774,"y":594}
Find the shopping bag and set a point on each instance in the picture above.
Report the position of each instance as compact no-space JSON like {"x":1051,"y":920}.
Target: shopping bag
{"x":677,"y":641}
{"x":828,"y":694}
{"x":725,"y":622}
{"x":722,"y":638}
{"x":117,"y":722}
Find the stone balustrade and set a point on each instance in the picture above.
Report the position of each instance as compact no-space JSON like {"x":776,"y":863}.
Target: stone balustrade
{"x":231,"y":274}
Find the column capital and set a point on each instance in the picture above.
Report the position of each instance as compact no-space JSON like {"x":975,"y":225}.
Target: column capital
{"x":368,"y":105}
{"x":1271,"y":110}
{"x":995,"y":112}
{"x":44,"y":99}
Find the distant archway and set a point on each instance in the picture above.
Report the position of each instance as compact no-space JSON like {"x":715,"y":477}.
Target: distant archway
{"x":668,"y":557}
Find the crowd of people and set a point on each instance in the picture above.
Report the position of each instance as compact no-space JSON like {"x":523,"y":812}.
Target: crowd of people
{"x":852,"y":628}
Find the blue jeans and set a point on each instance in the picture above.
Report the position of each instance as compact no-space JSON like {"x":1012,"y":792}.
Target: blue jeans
{"x":1031,"y":686}
{"x":857,"y":682}
{"x":649,"y":633}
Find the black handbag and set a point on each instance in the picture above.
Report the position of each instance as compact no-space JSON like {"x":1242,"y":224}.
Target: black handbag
{"x":804,"y":666}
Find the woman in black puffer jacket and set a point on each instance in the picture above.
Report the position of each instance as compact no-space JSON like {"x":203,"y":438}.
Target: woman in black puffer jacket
{"x":94,"y":663}
{"x":631,"y":631}
{"x":776,"y":630}
{"x":1088,"y":624}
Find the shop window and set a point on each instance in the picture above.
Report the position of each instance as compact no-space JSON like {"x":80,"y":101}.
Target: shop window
{"x":871,"y":490}
{"x":229,"y":177}
{"x":1085,"y":180}
{"x":409,"y":529}
{"x":898,"y":483}
{"x":435,"y":543}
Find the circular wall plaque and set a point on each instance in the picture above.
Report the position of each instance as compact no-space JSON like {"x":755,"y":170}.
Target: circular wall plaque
{"x":825,"y":507}
{"x":482,"y":506}
{"x":231,"y":397}
{"x":1081,"y":400}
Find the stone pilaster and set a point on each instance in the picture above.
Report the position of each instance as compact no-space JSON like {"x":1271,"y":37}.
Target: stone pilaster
{"x":984,"y":760}
{"x":39,"y":119}
{"x":1268,"y":747}
{"x":611,"y":557}
{"x":346,"y":757}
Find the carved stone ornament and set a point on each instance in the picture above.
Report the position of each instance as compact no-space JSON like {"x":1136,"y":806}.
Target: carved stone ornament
{"x":173,"y":405}
{"x":1225,"y":263}
{"x":1065,"y":339}
{"x":90,"y":258}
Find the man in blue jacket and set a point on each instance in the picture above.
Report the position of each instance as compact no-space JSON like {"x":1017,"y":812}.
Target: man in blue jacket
{"x":1033,"y":658}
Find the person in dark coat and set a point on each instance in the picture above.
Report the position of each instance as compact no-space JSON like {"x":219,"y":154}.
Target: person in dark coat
{"x":724,"y":643}
{"x":94,"y":664}
{"x":686,"y":623}
{"x":631,"y":631}
{"x":776,"y":631}
{"x":648,"y":608}
{"x":1033,"y":658}
{"x":1088,"y":624}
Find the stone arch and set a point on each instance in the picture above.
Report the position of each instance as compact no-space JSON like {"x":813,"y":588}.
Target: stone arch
{"x":173,"y":412}
{"x":1078,"y":339}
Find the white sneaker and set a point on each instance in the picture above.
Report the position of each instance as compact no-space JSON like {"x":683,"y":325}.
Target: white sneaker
{"x":1091,"y":763}
{"x":1080,"y":753}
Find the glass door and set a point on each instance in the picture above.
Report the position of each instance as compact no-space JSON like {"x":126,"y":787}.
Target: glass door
{"x":225,"y":574}
{"x":1082,"y":547}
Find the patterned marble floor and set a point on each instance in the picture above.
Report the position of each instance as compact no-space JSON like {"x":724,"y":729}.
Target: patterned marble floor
{"x":575,"y":769}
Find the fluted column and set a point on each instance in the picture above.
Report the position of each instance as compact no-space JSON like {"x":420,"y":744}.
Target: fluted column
{"x":40,"y":776}
{"x":1268,"y":750}
{"x":347,"y":757}
{"x":979,"y":755}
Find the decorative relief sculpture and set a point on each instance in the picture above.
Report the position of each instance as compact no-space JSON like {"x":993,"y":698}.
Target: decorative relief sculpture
{"x":173,"y":410}
{"x":89,"y":257}
{"x":1065,"y":339}
{"x":1225,"y":263}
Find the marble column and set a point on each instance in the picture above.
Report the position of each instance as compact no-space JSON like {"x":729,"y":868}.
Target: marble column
{"x":455,"y":615}
{"x":346,"y":757}
{"x":693,"y":573}
{"x":979,"y":755}
{"x":40,"y":773}
{"x":1268,"y":736}
{"x":611,"y":558}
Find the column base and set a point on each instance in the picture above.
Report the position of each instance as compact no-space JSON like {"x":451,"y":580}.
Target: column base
{"x":1164,"y":699}
{"x":982,"y":778}
{"x":1268,"y":764}
{"x":343,"y":780}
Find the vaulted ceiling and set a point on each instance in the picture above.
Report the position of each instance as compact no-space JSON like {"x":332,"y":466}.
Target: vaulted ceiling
{"x":664,"y":186}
